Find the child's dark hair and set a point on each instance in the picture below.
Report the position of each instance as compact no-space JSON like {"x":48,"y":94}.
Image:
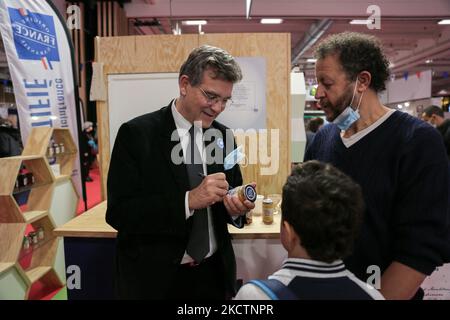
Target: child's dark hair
{"x":325,"y":207}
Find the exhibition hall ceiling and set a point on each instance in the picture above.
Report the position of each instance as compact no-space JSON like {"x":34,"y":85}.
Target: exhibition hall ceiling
{"x":409,"y":29}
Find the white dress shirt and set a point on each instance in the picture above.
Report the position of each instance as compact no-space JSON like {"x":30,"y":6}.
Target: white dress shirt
{"x":183,"y":127}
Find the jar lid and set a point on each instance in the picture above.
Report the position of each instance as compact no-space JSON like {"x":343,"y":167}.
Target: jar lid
{"x":250,"y":193}
{"x":267,"y":200}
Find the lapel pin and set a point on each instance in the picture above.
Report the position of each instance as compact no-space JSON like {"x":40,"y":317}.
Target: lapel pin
{"x":220,"y":143}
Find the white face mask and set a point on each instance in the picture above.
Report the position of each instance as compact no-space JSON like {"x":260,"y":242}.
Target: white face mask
{"x":349,"y":116}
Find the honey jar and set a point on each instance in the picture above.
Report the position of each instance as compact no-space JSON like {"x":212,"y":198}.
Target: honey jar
{"x":245,"y":192}
{"x":268,"y":211}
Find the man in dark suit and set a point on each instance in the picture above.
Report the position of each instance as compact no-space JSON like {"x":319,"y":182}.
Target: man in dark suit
{"x":154,"y":202}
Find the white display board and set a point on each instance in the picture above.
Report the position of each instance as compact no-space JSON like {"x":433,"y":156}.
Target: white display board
{"x":132,"y":95}
{"x":412,"y":88}
{"x":248,"y":110}
{"x":437,"y":286}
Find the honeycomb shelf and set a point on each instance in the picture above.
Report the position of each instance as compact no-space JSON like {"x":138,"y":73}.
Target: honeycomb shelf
{"x":49,"y":201}
{"x":13,"y":282}
{"x":41,"y":142}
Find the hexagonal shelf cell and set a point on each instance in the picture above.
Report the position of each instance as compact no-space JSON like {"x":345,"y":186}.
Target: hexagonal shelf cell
{"x":64,"y":203}
{"x":11,"y":241}
{"x":13,"y":283}
{"x":29,"y":175}
{"x":56,"y":144}
{"x":28,"y":191}
{"x":37,"y":257}
{"x":49,"y":281}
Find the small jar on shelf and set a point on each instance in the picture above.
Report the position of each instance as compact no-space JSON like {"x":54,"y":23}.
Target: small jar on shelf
{"x":26,"y":243}
{"x":50,"y":150}
{"x":30,"y":178}
{"x":57,"y":148}
{"x":40,"y":233}
{"x":33,"y":237}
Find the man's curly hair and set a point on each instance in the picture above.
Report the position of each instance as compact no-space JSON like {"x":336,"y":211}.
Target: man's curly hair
{"x":325,"y":208}
{"x":357,"y":52}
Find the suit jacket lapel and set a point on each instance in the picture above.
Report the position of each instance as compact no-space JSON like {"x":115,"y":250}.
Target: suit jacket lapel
{"x":167,"y":129}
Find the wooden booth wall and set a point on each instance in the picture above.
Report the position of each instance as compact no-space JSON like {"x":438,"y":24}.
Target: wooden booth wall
{"x":166,"y":53}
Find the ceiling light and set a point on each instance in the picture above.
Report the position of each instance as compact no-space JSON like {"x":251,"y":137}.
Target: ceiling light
{"x":406,"y":104}
{"x":177,"y":29}
{"x":399,"y":106}
{"x":361,"y":21}
{"x":445,"y":21}
{"x":311,"y":60}
{"x":271,"y":21}
{"x":195,"y":22}
{"x":429,"y":61}
{"x":248,"y":7}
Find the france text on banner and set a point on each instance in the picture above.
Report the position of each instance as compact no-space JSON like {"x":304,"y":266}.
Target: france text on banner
{"x":39,"y":59}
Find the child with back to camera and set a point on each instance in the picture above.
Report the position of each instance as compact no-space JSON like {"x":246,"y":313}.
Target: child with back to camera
{"x":321,"y":214}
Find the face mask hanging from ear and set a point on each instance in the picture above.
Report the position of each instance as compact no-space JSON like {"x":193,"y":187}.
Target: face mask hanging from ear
{"x":349,"y":116}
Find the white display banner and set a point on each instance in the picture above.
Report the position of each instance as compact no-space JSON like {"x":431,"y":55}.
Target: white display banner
{"x":39,"y":59}
{"x":414,"y":87}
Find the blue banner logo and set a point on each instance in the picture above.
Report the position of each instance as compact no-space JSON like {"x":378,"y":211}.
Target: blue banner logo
{"x":34,"y":35}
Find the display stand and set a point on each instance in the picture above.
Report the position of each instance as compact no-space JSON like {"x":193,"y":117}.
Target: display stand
{"x":28,"y":247}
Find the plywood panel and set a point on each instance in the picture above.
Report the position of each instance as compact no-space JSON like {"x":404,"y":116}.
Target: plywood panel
{"x":141,"y":54}
{"x":275,"y":48}
{"x":37,"y":142}
{"x":165,"y":53}
{"x":9,"y":210}
{"x":41,"y":197}
{"x":9,"y":167}
{"x":37,"y":273}
{"x":44,"y":256}
{"x":10,"y":243}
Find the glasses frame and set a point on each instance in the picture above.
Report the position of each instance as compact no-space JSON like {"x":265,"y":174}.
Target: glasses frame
{"x":213,"y":101}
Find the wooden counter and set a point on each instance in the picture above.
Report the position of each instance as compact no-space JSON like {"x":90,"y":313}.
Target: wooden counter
{"x":257,"y":229}
{"x":89,"y":243}
{"x":91,"y":224}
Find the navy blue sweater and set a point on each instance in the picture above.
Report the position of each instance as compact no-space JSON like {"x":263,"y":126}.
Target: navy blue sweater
{"x":404,"y":173}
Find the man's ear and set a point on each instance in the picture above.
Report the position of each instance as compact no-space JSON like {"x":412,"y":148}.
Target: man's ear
{"x":183,"y":82}
{"x":364,"y":80}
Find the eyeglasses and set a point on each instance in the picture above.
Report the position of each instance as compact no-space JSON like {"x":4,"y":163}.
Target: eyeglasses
{"x":213,"y":99}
